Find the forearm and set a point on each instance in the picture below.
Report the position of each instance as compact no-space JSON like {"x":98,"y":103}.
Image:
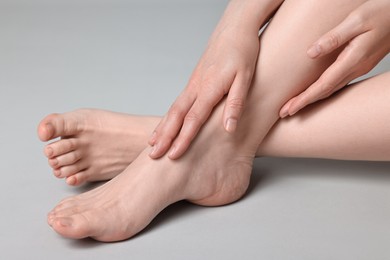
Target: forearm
{"x":247,"y":15}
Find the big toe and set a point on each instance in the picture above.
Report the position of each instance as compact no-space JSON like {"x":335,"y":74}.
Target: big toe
{"x":75,"y":227}
{"x":58,"y":125}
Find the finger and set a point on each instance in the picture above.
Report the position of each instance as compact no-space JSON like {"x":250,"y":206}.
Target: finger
{"x":213,"y":89}
{"x":334,"y":78}
{"x":169,"y":127}
{"x":193,"y":121}
{"x":235,"y":103}
{"x":284,"y":110}
{"x":337,"y":37}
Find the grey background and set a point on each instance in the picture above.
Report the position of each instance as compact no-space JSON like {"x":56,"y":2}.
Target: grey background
{"x":136,"y":56}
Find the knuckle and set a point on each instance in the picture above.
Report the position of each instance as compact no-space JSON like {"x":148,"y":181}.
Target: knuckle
{"x":165,"y":135}
{"x":175,"y":113}
{"x":236,"y":103}
{"x":358,"y":19}
{"x":333,"y":40}
{"x":192,"y":116}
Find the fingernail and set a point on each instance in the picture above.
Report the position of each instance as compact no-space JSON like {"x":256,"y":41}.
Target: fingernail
{"x":152,"y":138}
{"x":314,"y":51}
{"x":153,"y":150}
{"x":231,"y":125}
{"x":284,"y":112}
{"x":293,"y":112}
{"x":173,"y":151}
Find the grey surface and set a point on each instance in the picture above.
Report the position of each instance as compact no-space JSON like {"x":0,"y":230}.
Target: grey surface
{"x":135,"y":57}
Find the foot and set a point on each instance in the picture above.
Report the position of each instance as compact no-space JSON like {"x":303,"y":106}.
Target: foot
{"x":95,"y":145}
{"x":215,"y":171}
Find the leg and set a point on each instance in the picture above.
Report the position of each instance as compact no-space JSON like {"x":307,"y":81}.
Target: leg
{"x":352,"y":125}
{"x":327,"y":129}
{"x":216,"y":169}
{"x":76,"y":159}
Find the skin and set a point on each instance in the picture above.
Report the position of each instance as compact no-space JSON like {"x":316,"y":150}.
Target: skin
{"x":208,"y":174}
{"x":360,"y":41}
{"x":225,"y":68}
{"x":365,"y":33}
{"x":89,"y":129}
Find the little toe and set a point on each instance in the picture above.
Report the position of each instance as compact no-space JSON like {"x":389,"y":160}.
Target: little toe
{"x":56,"y":125}
{"x":77,"y":179}
{"x":61,"y":147}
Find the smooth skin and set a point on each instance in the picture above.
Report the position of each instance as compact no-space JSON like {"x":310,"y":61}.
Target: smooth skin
{"x":217,"y":167}
{"x":366,"y":36}
{"x":362,"y":39}
{"x":226,"y":68}
{"x":97,"y":145}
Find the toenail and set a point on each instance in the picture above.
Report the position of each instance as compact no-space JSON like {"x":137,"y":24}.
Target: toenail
{"x":65,"y":222}
{"x":71,"y":180}
{"x":57,"y":173}
{"x":49,"y":129}
{"x":53,"y":162}
{"x":49,"y":151}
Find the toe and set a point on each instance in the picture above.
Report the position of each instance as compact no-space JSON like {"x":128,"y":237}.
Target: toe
{"x":65,"y":160}
{"x":77,"y":179}
{"x":45,"y":130}
{"x":56,"y":125}
{"x":69,"y":170}
{"x":61,"y":147}
{"x":75,"y":227}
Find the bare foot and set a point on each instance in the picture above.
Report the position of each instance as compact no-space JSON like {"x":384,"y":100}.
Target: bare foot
{"x":215,"y":171}
{"x":95,"y":144}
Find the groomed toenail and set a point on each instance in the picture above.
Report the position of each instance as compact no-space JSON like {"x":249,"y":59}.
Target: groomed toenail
{"x":49,"y":130}
{"x":57,"y":173}
{"x":71,"y":180}
{"x":65,"y":222}
{"x":49,"y":151}
{"x":53,"y":162}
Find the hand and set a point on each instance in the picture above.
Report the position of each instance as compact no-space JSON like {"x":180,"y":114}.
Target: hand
{"x":226,"y":68}
{"x":366,"y":36}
